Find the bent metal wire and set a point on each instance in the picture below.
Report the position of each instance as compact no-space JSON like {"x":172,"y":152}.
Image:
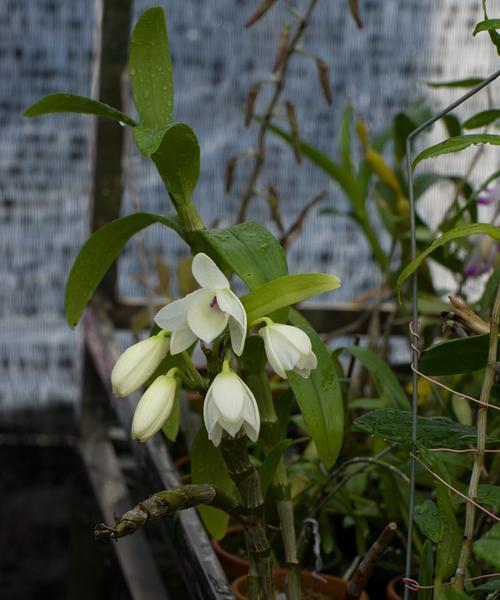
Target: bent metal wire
{"x":414,"y":307}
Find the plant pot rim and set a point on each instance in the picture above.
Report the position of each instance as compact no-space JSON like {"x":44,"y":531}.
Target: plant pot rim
{"x":390,"y":590}
{"x":307,"y":576}
{"x":229,"y":556}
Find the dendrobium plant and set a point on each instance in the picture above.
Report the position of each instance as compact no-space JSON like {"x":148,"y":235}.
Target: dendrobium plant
{"x":235,"y":384}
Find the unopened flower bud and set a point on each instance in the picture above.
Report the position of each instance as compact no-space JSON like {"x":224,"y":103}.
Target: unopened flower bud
{"x":154,"y":407}
{"x":136,"y":365}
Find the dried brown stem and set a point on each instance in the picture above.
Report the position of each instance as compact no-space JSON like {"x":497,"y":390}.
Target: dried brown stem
{"x":466,"y":317}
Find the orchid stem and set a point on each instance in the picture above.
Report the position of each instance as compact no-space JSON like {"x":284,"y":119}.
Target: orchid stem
{"x":482,"y":417}
{"x":193,"y":371}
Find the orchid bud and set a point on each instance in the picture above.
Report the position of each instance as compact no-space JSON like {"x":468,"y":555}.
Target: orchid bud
{"x":229,"y":406}
{"x":288,"y":349}
{"x":136,"y":365}
{"x":154,"y":407}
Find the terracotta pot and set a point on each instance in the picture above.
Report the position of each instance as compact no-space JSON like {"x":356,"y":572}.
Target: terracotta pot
{"x":329,"y":585}
{"x":391,"y":590}
{"x":233,"y":565}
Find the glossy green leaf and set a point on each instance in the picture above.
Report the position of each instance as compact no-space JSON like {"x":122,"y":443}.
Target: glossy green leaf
{"x":177,"y":159}
{"x":432,"y":432}
{"x":207,"y":466}
{"x":388,"y":387}
{"x":249,"y":250}
{"x":425,"y":571}
{"x":486,"y":25}
{"x":151,"y":69}
{"x":456,"y":144}
{"x":320,"y":401}
{"x":285,"y":291}
{"x":268,"y":467}
{"x":429,"y":520}
{"x":487,"y":548}
{"x":482,"y":119}
{"x":148,"y":139}
{"x":99,"y":252}
{"x":451,"y":357}
{"x":71,"y":103}
{"x":470,"y":82}
{"x":453,"y":234}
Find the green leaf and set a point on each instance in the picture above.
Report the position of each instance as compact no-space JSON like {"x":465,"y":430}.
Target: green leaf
{"x":177,"y":159}
{"x":99,"y":252}
{"x":486,"y":25}
{"x":345,"y":139}
{"x":285,"y":291}
{"x":456,"y":144}
{"x":425,"y":571}
{"x":171,"y":427}
{"x":488,"y":547}
{"x":429,"y":520}
{"x":432,"y":432}
{"x":423,"y":181}
{"x":452,"y":234}
{"x":487,"y":495}
{"x":320,"y":401}
{"x":268,"y":467}
{"x":151,"y":69}
{"x":482,"y":119}
{"x":448,"y":550}
{"x":456,"y":83}
{"x":148,"y":139}
{"x":452,"y":124}
{"x":207,"y":466}
{"x":249,"y":250}
{"x":494,"y":35}
{"x":71,"y":103}
{"x":388,"y":387}
{"x":452,"y":357}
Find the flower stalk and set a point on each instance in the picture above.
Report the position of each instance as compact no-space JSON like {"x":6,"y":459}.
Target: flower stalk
{"x":482,"y":417}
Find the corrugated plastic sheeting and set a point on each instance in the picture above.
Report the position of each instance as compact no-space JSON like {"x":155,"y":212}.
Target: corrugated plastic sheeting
{"x":44,"y":164}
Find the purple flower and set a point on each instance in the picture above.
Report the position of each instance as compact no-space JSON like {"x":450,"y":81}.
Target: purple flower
{"x":489,"y":195}
{"x":482,"y":256}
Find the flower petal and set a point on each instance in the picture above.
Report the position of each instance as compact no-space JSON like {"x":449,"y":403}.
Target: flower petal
{"x":272,"y":357}
{"x":210,"y":412}
{"x":215,"y":435}
{"x":229,"y":303}
{"x":173,"y":316}
{"x":154,"y":408}
{"x":306,"y":364}
{"x":292,"y":335}
{"x":205,"y":319}
{"x":207,"y":273}
{"x":181,"y":340}
{"x":251,"y":414}
{"x":228,"y":397}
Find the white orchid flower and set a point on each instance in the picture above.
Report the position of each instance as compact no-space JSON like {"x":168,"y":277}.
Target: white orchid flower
{"x":229,"y":406}
{"x":205,"y":313}
{"x":154,"y":407}
{"x":288,"y":348}
{"x":136,"y":365}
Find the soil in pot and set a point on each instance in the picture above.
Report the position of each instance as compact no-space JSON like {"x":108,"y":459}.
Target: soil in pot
{"x":314,"y":587}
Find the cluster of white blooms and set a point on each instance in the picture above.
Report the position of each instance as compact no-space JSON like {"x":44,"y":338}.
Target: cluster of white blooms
{"x":204,"y":315}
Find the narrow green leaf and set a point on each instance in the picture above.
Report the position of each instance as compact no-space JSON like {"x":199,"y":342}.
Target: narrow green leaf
{"x":345,"y":139}
{"x":494,"y":35}
{"x":448,"y":550}
{"x":151,"y":69}
{"x":99,"y":252}
{"x":320,"y":401}
{"x":424,"y":181}
{"x":432,"y":432}
{"x":249,"y":250}
{"x":177,"y":159}
{"x":487,"y":548}
{"x":453,"y":234}
{"x":268,"y":467}
{"x":482,"y":119}
{"x":285,"y":291}
{"x":456,"y":144}
{"x":451,"y":357}
{"x":207,"y":466}
{"x":486,"y":25}
{"x":456,"y":83}
{"x":452,"y":125}
{"x":388,"y":387}
{"x":71,"y":103}
{"x":425,"y":572}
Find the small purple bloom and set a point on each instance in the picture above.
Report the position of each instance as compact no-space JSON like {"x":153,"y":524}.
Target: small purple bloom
{"x":489,"y":195}
{"x":482,"y":256}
